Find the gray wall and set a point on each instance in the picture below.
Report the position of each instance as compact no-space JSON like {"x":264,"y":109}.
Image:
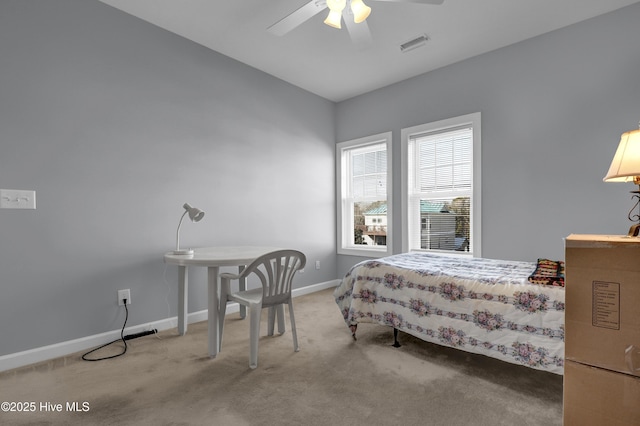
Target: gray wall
{"x":116,"y":123}
{"x":553,"y":109}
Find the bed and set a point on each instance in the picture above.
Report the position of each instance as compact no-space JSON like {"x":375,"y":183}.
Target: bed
{"x":509,"y":310}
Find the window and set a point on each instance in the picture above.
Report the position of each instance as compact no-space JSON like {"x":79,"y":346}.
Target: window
{"x":441,"y":186}
{"x":363,"y":169}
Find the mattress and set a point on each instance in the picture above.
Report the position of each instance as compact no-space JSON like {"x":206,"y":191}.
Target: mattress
{"x":483,"y":306}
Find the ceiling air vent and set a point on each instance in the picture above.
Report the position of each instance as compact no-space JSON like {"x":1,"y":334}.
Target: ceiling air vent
{"x":421,"y":40}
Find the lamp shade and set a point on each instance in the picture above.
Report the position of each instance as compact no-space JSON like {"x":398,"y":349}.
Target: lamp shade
{"x":195,"y":214}
{"x":335,"y":13}
{"x":626,"y":161}
{"x":360,"y":11}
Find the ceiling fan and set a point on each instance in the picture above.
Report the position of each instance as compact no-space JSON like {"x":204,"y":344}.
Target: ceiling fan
{"x":354,"y":16}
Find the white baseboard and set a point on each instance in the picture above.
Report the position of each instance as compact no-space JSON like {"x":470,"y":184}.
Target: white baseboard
{"x":44,"y":353}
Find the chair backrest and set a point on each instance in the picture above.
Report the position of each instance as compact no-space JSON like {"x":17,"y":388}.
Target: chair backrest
{"x":275,"y":271}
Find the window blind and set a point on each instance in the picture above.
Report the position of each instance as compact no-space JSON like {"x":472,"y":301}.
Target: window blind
{"x":369,"y":172}
{"x":444,"y":160}
{"x":440,"y":189}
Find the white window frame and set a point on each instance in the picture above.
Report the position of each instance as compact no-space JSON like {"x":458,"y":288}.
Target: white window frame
{"x":344,"y":221}
{"x":474,"y":120}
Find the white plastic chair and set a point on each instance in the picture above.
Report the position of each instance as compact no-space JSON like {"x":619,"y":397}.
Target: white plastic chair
{"x":275,"y":271}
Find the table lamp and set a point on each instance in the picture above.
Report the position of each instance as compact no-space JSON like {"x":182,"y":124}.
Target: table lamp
{"x":195,"y":215}
{"x":625,"y":167}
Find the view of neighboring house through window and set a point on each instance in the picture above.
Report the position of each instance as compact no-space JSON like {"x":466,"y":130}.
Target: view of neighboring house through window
{"x":364,"y":181}
{"x":441,"y":186}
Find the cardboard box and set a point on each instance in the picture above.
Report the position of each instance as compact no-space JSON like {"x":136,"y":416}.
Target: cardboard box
{"x":602,"y":317}
{"x":594,"y":396}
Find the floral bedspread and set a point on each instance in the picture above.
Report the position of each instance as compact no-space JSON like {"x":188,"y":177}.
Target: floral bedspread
{"x":483,"y":306}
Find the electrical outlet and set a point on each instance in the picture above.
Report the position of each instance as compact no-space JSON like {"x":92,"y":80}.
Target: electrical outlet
{"x":122,"y":295}
{"x":317,"y":264}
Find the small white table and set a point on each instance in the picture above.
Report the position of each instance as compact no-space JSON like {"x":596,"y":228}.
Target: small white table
{"x":212,"y":258}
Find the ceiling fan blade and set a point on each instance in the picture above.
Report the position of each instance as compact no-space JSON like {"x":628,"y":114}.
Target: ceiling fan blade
{"x":297,"y":17}
{"x":416,"y":1}
{"x":359,"y":33}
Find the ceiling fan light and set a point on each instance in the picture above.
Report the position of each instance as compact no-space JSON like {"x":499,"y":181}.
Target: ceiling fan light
{"x":335,"y":13}
{"x":336,"y":5}
{"x":360,"y":11}
{"x":333,"y":20}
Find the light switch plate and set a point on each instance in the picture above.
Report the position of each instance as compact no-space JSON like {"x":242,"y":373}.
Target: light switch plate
{"x":17,"y":199}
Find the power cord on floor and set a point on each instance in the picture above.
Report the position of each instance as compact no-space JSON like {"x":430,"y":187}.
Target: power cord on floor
{"x":84,"y":357}
{"x":122,"y":338}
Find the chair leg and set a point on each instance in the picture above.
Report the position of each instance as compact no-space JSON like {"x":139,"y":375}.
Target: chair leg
{"x":293,"y":327}
{"x":280,"y":316}
{"x":242,"y":286}
{"x":254,"y":333}
{"x":222,"y":311}
{"x":276,"y":311}
{"x":271,"y":313}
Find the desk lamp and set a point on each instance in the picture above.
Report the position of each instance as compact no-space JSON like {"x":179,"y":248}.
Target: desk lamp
{"x":625,"y":167}
{"x":195,"y":215}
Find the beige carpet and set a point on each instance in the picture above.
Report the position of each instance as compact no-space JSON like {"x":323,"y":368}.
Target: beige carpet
{"x":169,"y":380}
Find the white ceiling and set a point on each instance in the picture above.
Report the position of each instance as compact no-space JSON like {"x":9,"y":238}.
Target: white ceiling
{"x":324,"y":61}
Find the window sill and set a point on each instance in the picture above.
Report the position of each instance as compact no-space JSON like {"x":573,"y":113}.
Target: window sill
{"x":370,"y":252}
